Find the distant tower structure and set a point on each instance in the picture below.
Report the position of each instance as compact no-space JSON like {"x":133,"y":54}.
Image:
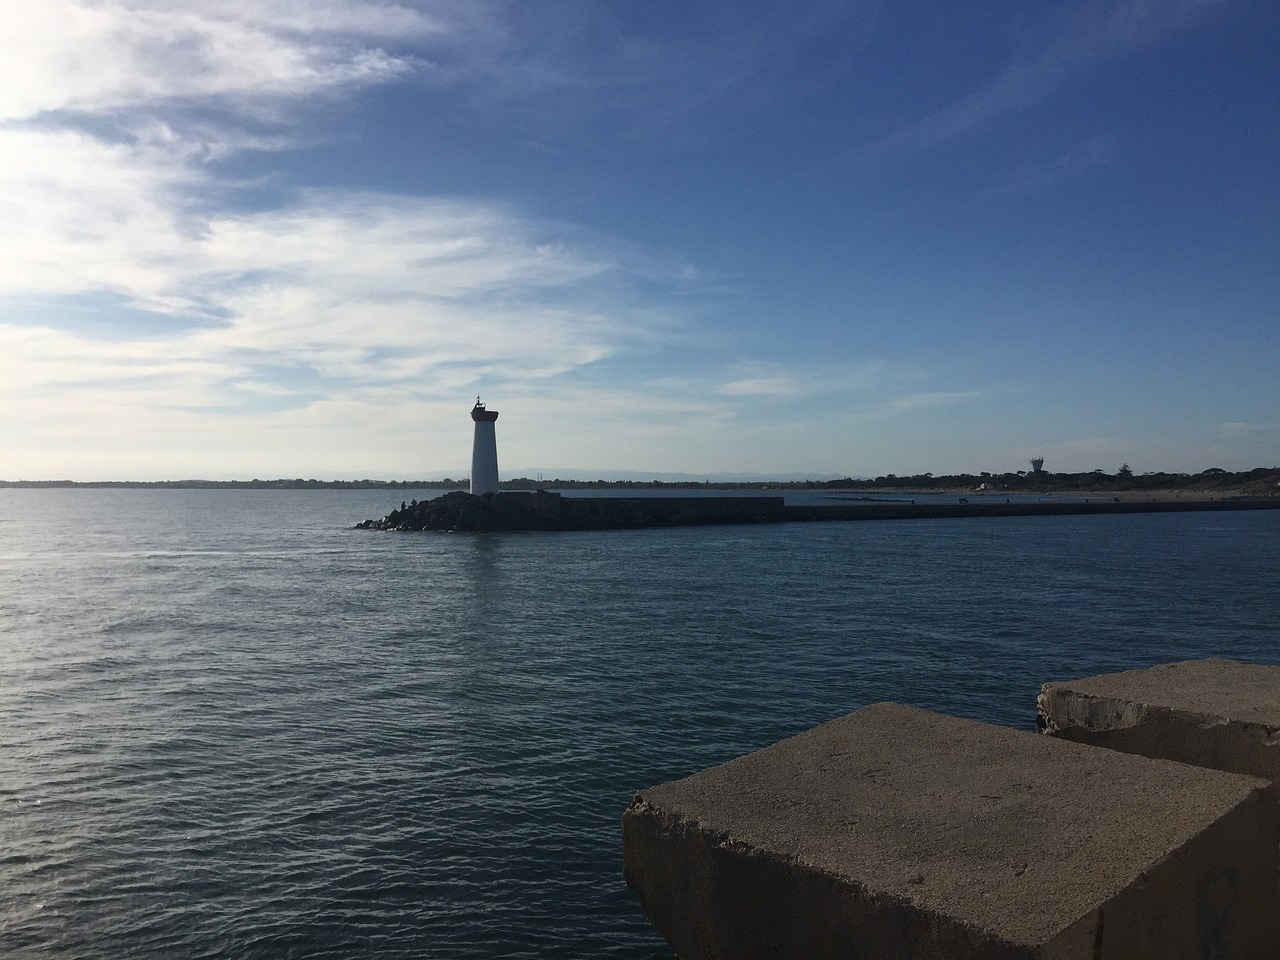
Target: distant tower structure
{"x":484,"y":451}
{"x":1037,"y":464}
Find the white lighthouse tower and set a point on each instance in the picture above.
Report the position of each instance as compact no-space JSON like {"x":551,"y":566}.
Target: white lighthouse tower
{"x":484,"y":451}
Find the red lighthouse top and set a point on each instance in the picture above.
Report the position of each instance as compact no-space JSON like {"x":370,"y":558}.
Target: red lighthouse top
{"x":480,"y":415}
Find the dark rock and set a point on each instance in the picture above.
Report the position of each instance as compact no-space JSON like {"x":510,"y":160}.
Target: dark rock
{"x":541,"y":510}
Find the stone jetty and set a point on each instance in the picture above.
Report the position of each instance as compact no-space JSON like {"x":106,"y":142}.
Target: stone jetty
{"x":546,"y":510}
{"x":543,"y":510}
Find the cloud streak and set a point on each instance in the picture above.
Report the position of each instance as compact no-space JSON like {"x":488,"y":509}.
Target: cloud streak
{"x":140,"y":286}
{"x":154,"y":312}
{"x":655,"y":79}
{"x":371,"y":288}
{"x":797,"y":381}
{"x":62,"y":55}
{"x":1040,"y":67}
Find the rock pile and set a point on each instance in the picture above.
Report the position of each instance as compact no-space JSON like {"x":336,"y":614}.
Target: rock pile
{"x":462,"y":511}
{"x":545,"y":510}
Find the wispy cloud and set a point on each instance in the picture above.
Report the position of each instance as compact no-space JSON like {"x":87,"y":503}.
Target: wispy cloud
{"x":64,"y":55}
{"x":1061,"y":49}
{"x":929,"y":400}
{"x":139,"y":286}
{"x":799,"y":380}
{"x":356,"y":288}
{"x":155,"y":310}
{"x":1079,"y":160}
{"x":560,"y":67}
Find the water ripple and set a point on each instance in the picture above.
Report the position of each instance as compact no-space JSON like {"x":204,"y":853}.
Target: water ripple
{"x":228,"y":733}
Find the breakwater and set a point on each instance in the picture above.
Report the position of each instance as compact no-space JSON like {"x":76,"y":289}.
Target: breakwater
{"x":545,"y":510}
{"x":932,"y":511}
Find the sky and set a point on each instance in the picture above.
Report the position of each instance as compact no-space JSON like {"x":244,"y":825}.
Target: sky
{"x":297,"y":238}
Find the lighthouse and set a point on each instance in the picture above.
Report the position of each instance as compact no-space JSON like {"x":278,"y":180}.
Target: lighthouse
{"x":484,"y":451}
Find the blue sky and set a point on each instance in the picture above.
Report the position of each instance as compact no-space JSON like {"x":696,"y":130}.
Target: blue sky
{"x":297,"y":237}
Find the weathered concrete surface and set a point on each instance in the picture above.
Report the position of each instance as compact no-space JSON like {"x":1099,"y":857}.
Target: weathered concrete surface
{"x":1213,"y":713}
{"x":898,"y":833}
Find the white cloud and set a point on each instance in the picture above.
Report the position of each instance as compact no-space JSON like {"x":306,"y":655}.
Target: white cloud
{"x":352,"y":286}
{"x":368,"y":288}
{"x":79,"y":213}
{"x":100,"y":57}
{"x":933,"y":399}
{"x":153,"y":320}
{"x":779,"y":381}
{"x":765,"y":387}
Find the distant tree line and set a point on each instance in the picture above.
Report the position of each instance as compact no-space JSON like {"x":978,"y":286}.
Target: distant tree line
{"x":1262,"y":480}
{"x":1259,"y":480}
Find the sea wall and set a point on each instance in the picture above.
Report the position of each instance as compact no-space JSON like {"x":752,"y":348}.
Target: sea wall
{"x":994,"y":507}
{"x":545,"y":510}
{"x":593,"y":513}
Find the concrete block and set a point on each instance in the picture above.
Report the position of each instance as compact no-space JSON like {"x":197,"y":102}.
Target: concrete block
{"x":896,"y":833}
{"x":1212,"y":713}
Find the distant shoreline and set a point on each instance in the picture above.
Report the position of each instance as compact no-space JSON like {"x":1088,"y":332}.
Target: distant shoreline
{"x":236,"y":484}
{"x":1128,"y":496}
{"x":1212,"y":485}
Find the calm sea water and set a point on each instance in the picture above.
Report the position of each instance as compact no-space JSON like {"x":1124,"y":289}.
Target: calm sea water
{"x":230,"y":726}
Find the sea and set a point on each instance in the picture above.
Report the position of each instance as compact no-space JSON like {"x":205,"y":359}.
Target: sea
{"x":232,"y":726}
